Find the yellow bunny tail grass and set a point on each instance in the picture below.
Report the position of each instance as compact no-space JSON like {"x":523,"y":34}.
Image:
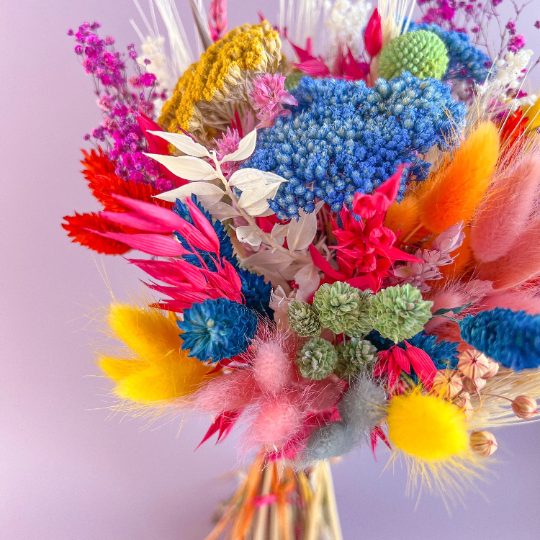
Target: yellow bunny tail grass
{"x":431,"y":435}
{"x":158,"y":369}
{"x":458,"y":189}
{"x":147,"y":332}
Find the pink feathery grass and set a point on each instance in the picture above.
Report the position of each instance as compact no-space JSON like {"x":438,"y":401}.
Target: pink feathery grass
{"x":514,"y":300}
{"x":521,"y":264}
{"x":272,"y":368}
{"x":506,"y":210}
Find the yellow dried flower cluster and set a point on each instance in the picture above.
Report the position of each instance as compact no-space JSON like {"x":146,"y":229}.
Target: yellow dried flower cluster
{"x":208,"y":93}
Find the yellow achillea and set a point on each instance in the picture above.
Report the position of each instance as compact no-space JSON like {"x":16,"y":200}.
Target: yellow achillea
{"x":157,"y":370}
{"x":208,"y":93}
{"x":431,"y":435}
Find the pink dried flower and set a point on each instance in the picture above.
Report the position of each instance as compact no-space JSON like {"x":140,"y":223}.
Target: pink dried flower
{"x":227,"y":145}
{"x":268,"y":96}
{"x":516,"y":43}
{"x":217,"y":19}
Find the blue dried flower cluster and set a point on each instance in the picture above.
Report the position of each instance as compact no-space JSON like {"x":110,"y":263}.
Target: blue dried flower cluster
{"x":443,"y":353}
{"x":256,"y":292}
{"x":466,"y":61}
{"x":217,"y":329}
{"x":344,"y":138}
{"x":509,"y":337}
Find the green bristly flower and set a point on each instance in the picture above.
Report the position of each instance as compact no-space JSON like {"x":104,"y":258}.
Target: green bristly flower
{"x":354,"y":358}
{"x":343,"y":309}
{"x":422,"y":53}
{"x":316,"y":359}
{"x":303,"y":319}
{"x":399,"y":312}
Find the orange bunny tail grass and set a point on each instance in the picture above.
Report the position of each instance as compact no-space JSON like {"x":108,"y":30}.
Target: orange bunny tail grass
{"x":461,"y":184}
{"x":506,"y":210}
{"x":403,"y":216}
{"x":521,"y":264}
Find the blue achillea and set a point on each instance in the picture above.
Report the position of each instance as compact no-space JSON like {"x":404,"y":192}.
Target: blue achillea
{"x":344,"y":138}
{"x":256,"y":292}
{"x":509,"y":337}
{"x":216,"y":329}
{"x":443,"y":353}
{"x":466,"y":61}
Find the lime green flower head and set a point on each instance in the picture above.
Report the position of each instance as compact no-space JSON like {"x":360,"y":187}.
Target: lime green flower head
{"x":303,"y":319}
{"x":354,"y":358}
{"x":422,"y":53}
{"x":343,"y":309}
{"x":316,"y":359}
{"x":399,"y":312}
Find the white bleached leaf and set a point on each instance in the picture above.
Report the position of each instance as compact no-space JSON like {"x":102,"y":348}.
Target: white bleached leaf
{"x":188,"y":167}
{"x":223,"y":211}
{"x":253,"y":196}
{"x":246,"y":178}
{"x":248,"y":235}
{"x":183,"y":143}
{"x":302,"y":232}
{"x":308,"y":280}
{"x":207,"y":194}
{"x":246,"y":147}
{"x":273,"y":260}
{"x":268,"y":212}
{"x":279,"y":230}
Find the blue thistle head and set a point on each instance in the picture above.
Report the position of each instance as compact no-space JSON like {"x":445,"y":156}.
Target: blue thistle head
{"x":216,"y":329}
{"x":509,"y":337}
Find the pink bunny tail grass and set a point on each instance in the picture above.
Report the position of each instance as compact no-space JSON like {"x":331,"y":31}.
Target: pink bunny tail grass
{"x":506,"y":210}
{"x":455,"y":295}
{"x":521,"y":264}
{"x":272,"y":368}
{"x":516,"y":301}
{"x":229,"y":392}
{"x":276,"y":423}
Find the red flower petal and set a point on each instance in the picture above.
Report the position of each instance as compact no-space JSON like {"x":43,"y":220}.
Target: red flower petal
{"x":373,"y":34}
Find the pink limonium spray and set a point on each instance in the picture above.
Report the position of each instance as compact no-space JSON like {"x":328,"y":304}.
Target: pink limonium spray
{"x":418,"y":273}
{"x":268,"y":97}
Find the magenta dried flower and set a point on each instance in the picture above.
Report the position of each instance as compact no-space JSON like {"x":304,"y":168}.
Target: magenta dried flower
{"x":268,"y":96}
{"x":227,"y":145}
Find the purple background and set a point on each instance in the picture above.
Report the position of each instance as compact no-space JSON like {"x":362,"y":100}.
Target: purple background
{"x":69,"y":470}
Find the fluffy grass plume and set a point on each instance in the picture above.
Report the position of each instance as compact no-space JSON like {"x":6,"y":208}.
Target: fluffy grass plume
{"x":456,"y":190}
{"x":506,"y":210}
{"x":155,"y":369}
{"x":520,"y":264}
{"x":404,"y":217}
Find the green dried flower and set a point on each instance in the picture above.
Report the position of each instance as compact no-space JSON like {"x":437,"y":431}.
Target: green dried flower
{"x":317,"y":359}
{"x":343,"y":308}
{"x":293,"y":80}
{"x":303,"y":319}
{"x":354,"y":358}
{"x":399,"y":312}
{"x":422,"y":53}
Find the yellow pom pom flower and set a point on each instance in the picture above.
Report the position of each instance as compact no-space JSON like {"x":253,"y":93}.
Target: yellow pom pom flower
{"x":156,"y":369}
{"x":431,"y":434}
{"x":427,"y":426}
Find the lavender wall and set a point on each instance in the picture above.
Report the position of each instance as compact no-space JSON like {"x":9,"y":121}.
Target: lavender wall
{"x":69,"y":469}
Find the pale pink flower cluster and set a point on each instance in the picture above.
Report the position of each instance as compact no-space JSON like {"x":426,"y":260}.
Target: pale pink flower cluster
{"x":227,"y":145}
{"x":268,"y":97}
{"x":416,"y":274}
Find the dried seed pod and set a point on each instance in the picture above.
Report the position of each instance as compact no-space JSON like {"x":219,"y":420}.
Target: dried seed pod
{"x":463,"y":401}
{"x":473,"y":364}
{"x":493,"y":369}
{"x":524,"y":407}
{"x":473,"y":385}
{"x":483,"y":443}
{"x":447,"y":383}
